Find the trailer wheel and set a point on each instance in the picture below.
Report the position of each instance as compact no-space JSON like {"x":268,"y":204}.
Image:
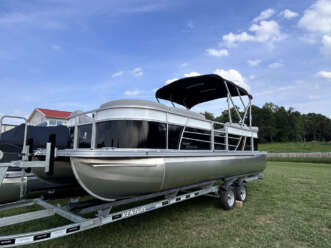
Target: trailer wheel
{"x":227,"y":198}
{"x":241,"y":193}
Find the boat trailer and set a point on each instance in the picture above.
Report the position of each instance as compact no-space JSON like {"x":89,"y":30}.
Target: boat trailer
{"x":75,"y":210}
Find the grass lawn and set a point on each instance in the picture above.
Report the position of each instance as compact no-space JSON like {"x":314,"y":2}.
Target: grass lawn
{"x":291,"y":207}
{"x":296,"y":147}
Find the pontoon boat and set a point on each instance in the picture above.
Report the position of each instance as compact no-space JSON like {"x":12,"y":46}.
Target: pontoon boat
{"x":135,"y":147}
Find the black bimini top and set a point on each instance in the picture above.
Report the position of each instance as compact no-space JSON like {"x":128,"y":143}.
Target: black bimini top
{"x":191,"y":91}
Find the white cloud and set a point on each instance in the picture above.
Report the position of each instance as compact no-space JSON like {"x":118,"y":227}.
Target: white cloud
{"x":287,"y":87}
{"x":264,"y":32}
{"x":324,"y":74}
{"x":117,"y":74}
{"x":267,"y":31}
{"x":275,"y":65}
{"x":254,"y":62}
{"x":14,"y":18}
{"x":61,"y":14}
{"x":6,"y":55}
{"x":326,"y":49}
{"x":310,"y":38}
{"x":317,"y":18}
{"x":234,"y":76}
{"x":140,"y":8}
{"x":314,"y":97}
{"x":231,"y":39}
{"x":218,"y":53}
{"x":288,"y":14}
{"x":56,"y":47}
{"x":264,"y":15}
{"x":40,"y":19}
{"x":171,"y":80}
{"x":273,"y":91}
{"x":137,"y":72}
{"x":132,"y":92}
{"x":190,"y":24}
{"x":314,"y":106}
{"x":192,"y":74}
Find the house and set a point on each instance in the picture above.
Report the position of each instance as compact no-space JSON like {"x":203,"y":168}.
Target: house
{"x":48,"y":117}
{"x":6,"y":127}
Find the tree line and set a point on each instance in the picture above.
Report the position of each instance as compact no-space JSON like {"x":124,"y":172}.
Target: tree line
{"x":278,"y":124}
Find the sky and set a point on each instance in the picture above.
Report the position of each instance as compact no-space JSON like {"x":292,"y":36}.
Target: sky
{"x":78,"y":54}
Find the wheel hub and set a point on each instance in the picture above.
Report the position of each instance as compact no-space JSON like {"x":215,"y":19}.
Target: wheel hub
{"x":243,"y":194}
{"x":230,"y":198}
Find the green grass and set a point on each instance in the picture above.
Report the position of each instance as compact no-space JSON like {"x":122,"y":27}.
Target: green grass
{"x":296,"y":147}
{"x":291,"y":207}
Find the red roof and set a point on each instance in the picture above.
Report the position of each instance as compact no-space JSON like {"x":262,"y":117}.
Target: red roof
{"x":55,"y":113}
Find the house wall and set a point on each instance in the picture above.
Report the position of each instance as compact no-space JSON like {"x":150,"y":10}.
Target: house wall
{"x":36,"y":118}
{"x":57,"y":121}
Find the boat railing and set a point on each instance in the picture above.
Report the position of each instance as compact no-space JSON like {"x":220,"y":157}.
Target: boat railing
{"x":218,"y":138}
{"x":25,"y":149}
{"x":223,"y":140}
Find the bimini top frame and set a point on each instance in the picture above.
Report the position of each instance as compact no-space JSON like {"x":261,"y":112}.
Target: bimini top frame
{"x":191,"y":91}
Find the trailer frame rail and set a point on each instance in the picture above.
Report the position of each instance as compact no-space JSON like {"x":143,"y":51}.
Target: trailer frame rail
{"x":79,"y":223}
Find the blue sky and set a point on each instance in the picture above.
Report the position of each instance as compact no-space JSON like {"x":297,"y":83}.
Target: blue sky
{"x":78,"y":54}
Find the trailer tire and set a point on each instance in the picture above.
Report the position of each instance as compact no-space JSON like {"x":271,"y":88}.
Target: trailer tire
{"x":241,"y":192}
{"x":227,"y":198}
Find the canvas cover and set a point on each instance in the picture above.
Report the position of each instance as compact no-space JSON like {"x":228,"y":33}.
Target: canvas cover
{"x":191,"y":91}
{"x":11,"y":142}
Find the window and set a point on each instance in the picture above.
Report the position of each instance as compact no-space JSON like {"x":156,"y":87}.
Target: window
{"x":52,"y":122}
{"x":60,"y":123}
{"x":42,"y":124}
{"x":174,"y":133}
{"x":84,"y":136}
{"x":196,"y":139}
{"x":131,"y":134}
